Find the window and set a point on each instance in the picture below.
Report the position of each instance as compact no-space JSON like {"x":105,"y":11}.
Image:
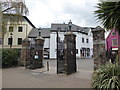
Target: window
{"x":10,"y":29}
{"x":114,"y":42}
{"x":20,"y":29}
{"x":19,"y":41}
{"x":87,"y":40}
{"x":10,"y":41}
{"x":82,"y":40}
{"x":113,"y":33}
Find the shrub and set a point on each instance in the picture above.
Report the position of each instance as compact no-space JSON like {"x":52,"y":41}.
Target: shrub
{"x":107,"y":77}
{"x":117,"y":61}
{"x":9,"y":57}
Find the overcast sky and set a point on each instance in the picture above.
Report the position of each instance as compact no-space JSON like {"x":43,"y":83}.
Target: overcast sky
{"x":44,"y":12}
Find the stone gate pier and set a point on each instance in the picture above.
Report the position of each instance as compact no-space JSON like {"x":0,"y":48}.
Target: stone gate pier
{"x":66,"y":60}
{"x":99,"y":51}
{"x":32,"y":53}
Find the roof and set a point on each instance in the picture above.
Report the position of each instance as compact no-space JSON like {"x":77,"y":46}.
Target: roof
{"x":85,"y":29}
{"x":15,"y":17}
{"x":65,"y":27}
{"x":34,"y":33}
{"x":45,"y":32}
{"x":98,"y":28}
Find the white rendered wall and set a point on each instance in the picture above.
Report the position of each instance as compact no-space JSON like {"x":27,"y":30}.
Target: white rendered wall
{"x":47,"y":43}
{"x":26,"y":29}
{"x":52,"y":45}
{"x":79,"y":43}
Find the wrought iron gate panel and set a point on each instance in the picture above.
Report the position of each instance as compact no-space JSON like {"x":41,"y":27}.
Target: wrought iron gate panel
{"x":60,"y":58}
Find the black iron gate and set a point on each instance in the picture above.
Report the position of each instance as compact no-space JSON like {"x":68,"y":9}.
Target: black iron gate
{"x":60,"y":56}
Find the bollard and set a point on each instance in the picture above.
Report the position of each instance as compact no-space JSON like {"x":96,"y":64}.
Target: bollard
{"x":47,"y":65}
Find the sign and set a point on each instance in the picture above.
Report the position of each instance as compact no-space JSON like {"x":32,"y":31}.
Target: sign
{"x":114,"y":48}
{"x":36,"y":56}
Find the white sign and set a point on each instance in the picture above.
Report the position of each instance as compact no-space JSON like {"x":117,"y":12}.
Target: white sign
{"x":36,"y":57}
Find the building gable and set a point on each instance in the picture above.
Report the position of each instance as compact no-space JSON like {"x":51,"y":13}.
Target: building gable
{"x":113,"y":35}
{"x":16,"y":18}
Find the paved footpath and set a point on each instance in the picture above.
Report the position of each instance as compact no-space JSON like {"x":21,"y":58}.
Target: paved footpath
{"x":20,"y":77}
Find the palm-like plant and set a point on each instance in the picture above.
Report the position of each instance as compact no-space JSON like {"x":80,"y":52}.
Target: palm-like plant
{"x":108,"y":14}
{"x":107,"y":77}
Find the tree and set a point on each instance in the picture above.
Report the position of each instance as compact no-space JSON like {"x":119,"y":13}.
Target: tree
{"x":108,"y":14}
{"x":17,"y":8}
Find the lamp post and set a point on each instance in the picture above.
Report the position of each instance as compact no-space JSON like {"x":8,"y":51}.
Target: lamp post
{"x":11,"y":41}
{"x":57,"y":50}
{"x":57,"y":40}
{"x":70,"y":24}
{"x":39,"y":30}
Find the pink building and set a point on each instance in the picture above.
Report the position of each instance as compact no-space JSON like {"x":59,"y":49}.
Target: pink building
{"x":112,"y":40}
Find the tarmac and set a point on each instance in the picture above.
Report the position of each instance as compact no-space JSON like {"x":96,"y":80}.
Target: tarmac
{"x":19,"y":77}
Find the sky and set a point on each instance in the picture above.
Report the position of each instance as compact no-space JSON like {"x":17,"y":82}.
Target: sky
{"x":44,"y":12}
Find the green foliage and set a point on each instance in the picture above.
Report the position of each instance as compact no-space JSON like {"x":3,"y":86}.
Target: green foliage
{"x":109,"y":14}
{"x":107,"y":77}
{"x":117,"y":61}
{"x":12,"y":7}
{"x":9,"y":57}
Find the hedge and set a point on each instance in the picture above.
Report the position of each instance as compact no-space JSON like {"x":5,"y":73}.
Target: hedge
{"x":9,"y":57}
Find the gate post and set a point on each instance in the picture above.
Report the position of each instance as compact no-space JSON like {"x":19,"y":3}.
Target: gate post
{"x":25,"y":52}
{"x":99,"y":51}
{"x":70,"y":52}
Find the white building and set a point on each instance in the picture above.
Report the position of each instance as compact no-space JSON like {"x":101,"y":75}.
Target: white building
{"x":84,"y":39}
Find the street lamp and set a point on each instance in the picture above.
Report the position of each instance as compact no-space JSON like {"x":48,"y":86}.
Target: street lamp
{"x":70,"y":24}
{"x":39,"y":30}
{"x":57,"y":50}
{"x":11,"y":41}
{"x":57,"y":40}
